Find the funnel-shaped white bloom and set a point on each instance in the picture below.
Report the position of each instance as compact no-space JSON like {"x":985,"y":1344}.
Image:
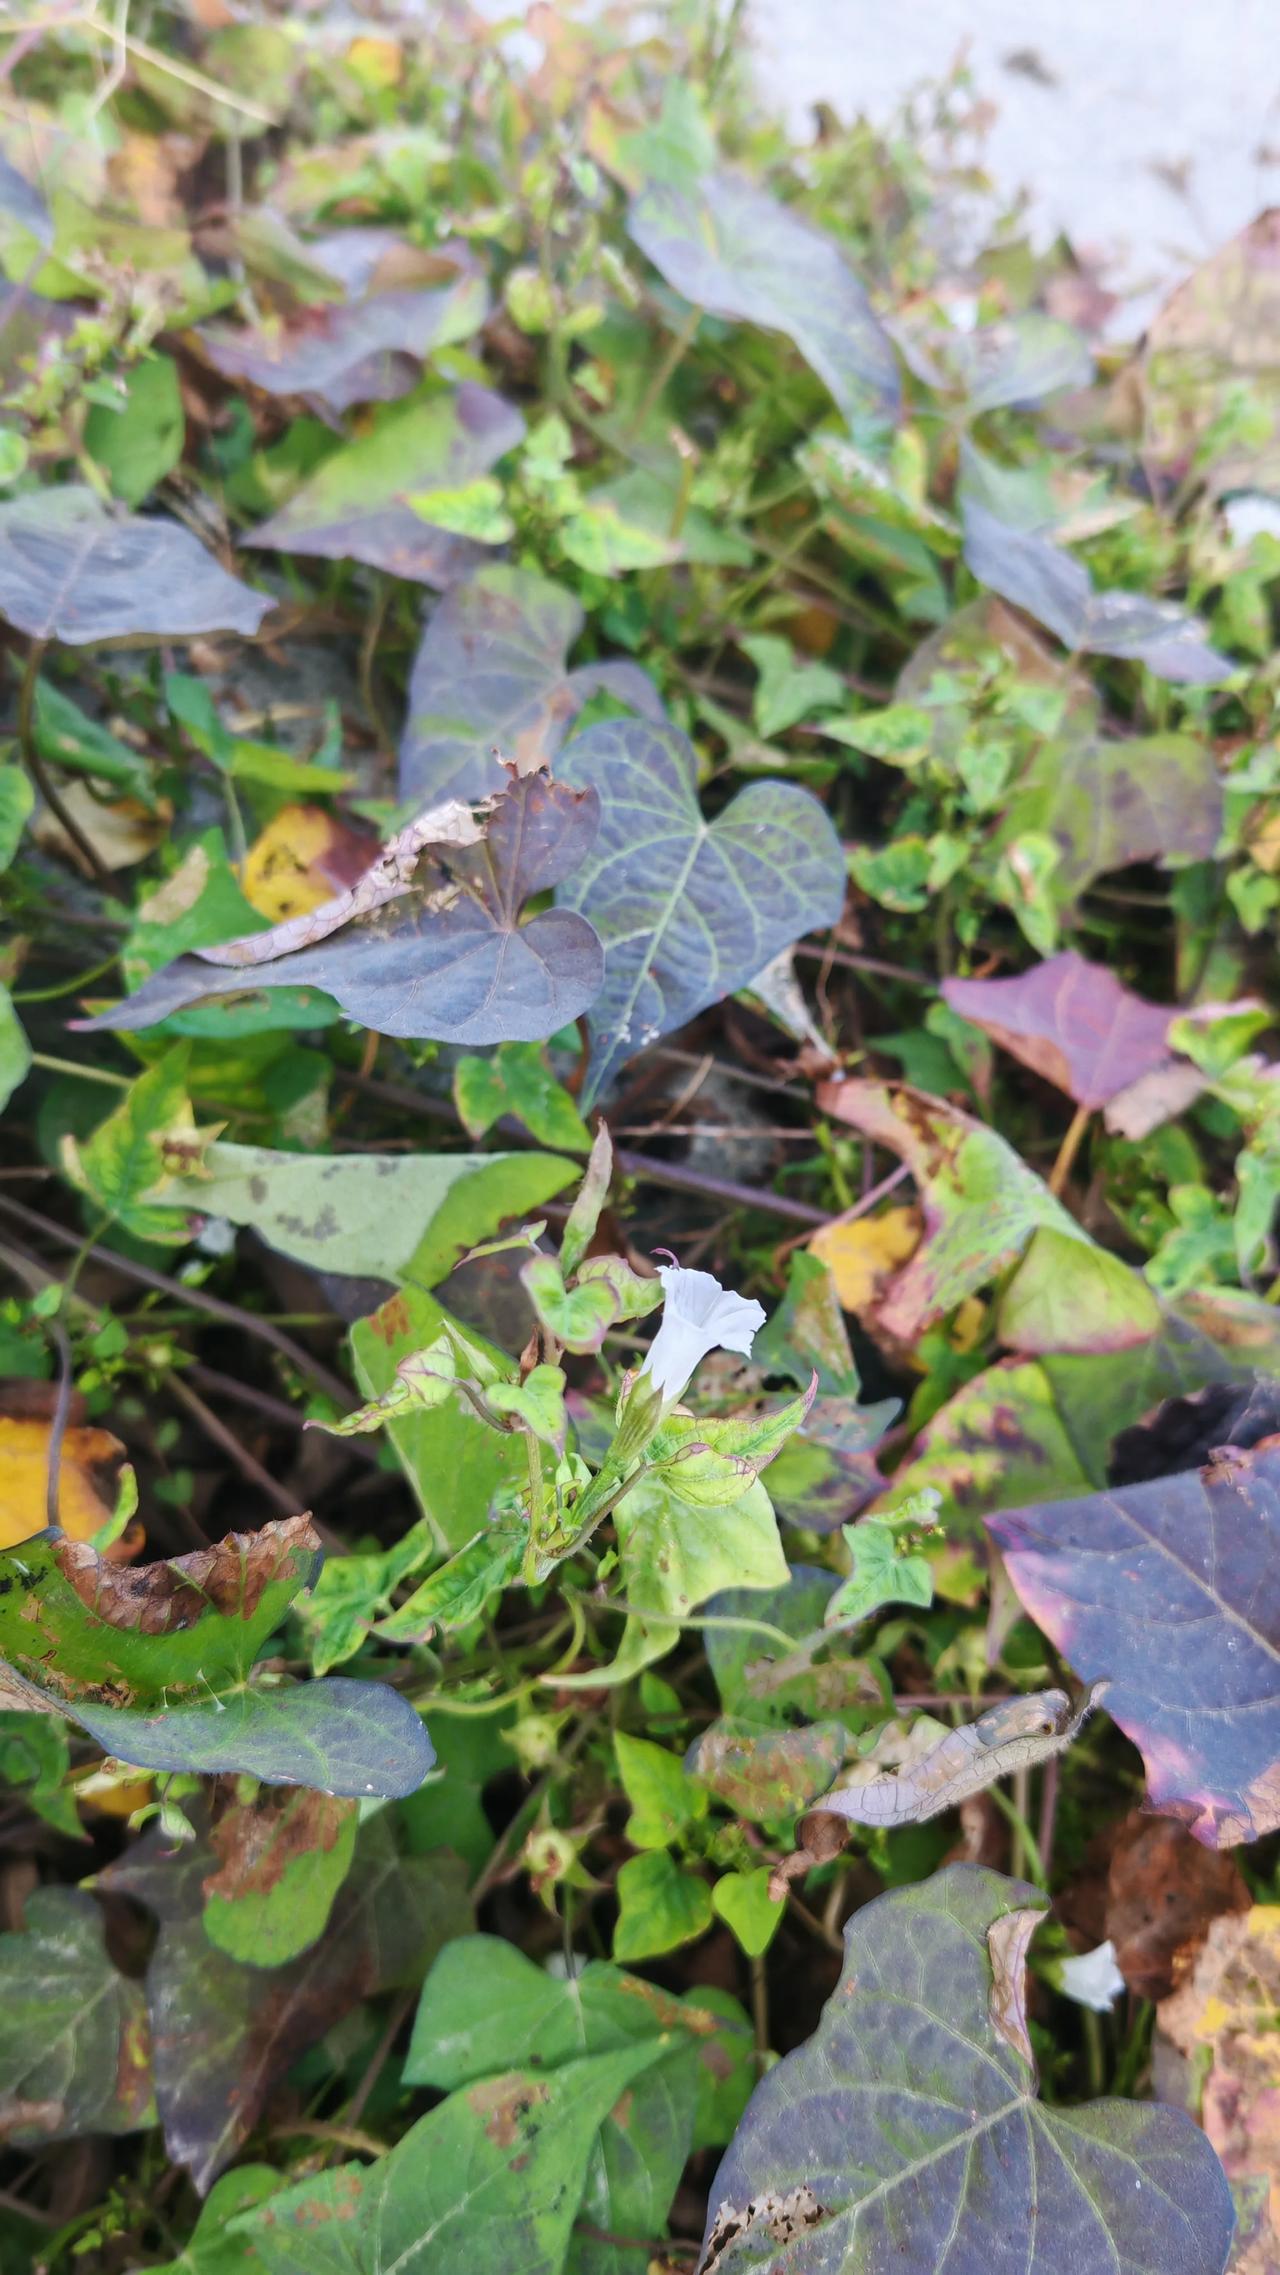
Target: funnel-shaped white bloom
{"x":698,"y":1316}
{"x":1093,"y":1979}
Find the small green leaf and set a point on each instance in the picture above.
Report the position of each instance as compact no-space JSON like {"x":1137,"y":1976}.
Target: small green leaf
{"x":123,"y":1162}
{"x":743,"y":1902}
{"x":537,"y":1402}
{"x":711,"y":1463}
{"x":141,"y":442}
{"x":517,"y":1080}
{"x":660,"y":1907}
{"x":459,"y":1591}
{"x":664,"y":1798}
{"x":886,"y":1570}
{"x":578,"y":1317}
{"x":787,"y":689}
{"x":584,"y":1216}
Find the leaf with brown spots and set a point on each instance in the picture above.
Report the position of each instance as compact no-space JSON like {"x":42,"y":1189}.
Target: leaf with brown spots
{"x":282,"y":1858}
{"x":1223,"y":2023}
{"x":492,"y":2179}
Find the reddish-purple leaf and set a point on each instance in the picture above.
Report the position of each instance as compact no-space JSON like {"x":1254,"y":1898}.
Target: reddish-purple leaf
{"x":1073,"y":1022}
{"x":1172,"y":1591}
{"x":71,"y":571}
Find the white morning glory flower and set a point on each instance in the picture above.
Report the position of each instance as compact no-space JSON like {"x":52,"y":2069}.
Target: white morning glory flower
{"x":698,"y":1316}
{"x":1093,"y":1979}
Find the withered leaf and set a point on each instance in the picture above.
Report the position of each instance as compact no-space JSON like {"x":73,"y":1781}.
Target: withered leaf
{"x":451,"y":956}
{"x":1018,"y":1735}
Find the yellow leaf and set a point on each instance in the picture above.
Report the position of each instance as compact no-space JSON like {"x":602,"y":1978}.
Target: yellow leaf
{"x":24,"y":1475}
{"x":283,"y":871}
{"x":376,"y":62}
{"x":862,"y":1255}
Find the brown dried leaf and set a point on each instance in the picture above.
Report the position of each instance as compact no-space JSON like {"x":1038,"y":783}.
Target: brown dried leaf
{"x":1017,"y":1735}
{"x":1163,"y":1890}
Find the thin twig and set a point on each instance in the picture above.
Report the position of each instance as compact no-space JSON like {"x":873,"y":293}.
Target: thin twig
{"x":887,"y":1185}
{"x":250,"y":1469}
{"x":1069,"y":1148}
{"x":39,"y":773}
{"x":232,"y":1314}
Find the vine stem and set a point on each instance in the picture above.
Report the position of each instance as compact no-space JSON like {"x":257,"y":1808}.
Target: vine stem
{"x":39,"y":772}
{"x":1069,"y":1148}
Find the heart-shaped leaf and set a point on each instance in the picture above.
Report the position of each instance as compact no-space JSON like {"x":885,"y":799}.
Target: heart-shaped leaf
{"x":485,"y":2005}
{"x":71,"y":571}
{"x":688,"y":911}
{"x":1107,"y":804}
{"x":451,"y":957}
{"x":223,"y":2032}
{"x":1172,"y":1590}
{"x":491,"y":673}
{"x":907,"y":2132}
{"x":355,"y":508}
{"x":1058,"y":591}
{"x":732,"y":249}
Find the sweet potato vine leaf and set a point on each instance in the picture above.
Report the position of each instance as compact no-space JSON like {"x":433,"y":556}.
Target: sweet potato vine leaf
{"x":688,"y":910}
{"x":153,"y":1660}
{"x":1107,"y":804}
{"x":75,"y":2054}
{"x":223,"y":2032}
{"x":370,"y":347}
{"x":1075,"y":1023}
{"x":981,"y":1202}
{"x":907,"y":2132}
{"x":356,"y":507}
{"x":493,"y":2178}
{"x":1055,"y":588}
{"x":1172,"y":1589}
{"x":448,"y":956}
{"x":734,"y":250}
{"x":71,"y":571}
{"x":491,"y":672}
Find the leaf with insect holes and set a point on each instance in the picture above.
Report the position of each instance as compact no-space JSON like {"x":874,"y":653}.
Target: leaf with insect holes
{"x":71,"y":571}
{"x":505,"y":2160}
{"x":74,"y":2050}
{"x":907,"y":2131}
{"x":688,"y":910}
{"x":730,"y":248}
{"x":356,"y":507}
{"x":453,"y":957}
{"x":1172,"y":1589}
{"x":224,"y":2033}
{"x":1017,"y":1735}
{"x":491,"y":672}
{"x":1055,"y":588}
